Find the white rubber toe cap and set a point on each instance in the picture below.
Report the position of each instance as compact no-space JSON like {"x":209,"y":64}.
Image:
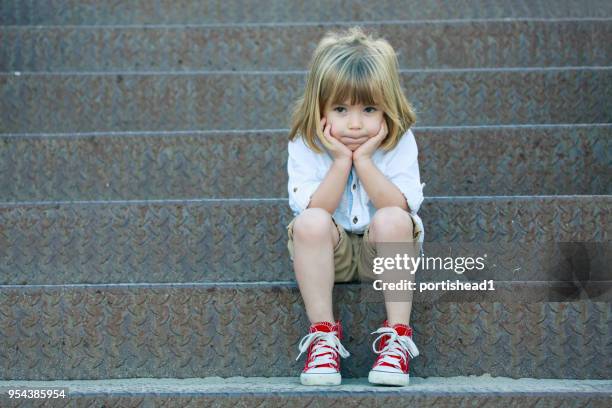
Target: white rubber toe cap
{"x":388,"y":378}
{"x":320,"y":378}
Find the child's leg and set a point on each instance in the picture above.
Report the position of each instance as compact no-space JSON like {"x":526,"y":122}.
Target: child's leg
{"x":314,"y":238}
{"x":393,"y":225}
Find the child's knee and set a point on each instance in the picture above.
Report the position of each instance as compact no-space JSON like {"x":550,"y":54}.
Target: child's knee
{"x":391,"y":221}
{"x":313,"y":224}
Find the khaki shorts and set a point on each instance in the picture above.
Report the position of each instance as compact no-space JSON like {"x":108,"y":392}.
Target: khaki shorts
{"x":354,"y":254}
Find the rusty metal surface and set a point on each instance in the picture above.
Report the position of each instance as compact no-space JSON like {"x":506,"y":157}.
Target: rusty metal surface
{"x":197,"y":330}
{"x":192,"y":101}
{"x":246,"y":240}
{"x":223,"y":11}
{"x":554,"y":160}
{"x":446,"y":44}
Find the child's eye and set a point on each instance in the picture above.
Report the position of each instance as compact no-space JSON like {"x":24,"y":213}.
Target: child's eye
{"x":369,"y":109}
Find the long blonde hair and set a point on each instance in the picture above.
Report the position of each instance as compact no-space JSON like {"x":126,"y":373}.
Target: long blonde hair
{"x":352,"y":64}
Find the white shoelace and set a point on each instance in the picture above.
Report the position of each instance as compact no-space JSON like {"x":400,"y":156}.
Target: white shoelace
{"x":396,"y":346}
{"x":330,"y":344}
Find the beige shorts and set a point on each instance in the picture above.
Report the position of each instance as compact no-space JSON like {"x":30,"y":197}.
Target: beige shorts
{"x":354,"y":254}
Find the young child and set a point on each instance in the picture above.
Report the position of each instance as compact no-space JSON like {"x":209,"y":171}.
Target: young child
{"x":353,"y":184}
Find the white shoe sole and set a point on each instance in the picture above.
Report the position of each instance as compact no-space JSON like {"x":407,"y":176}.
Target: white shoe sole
{"x":320,"y":379}
{"x":385,"y":378}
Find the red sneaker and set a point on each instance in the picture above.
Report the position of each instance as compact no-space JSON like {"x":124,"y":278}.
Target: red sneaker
{"x":396,"y":350}
{"x":322,"y":366}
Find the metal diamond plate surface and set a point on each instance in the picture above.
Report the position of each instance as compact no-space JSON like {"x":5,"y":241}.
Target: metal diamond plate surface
{"x":218,"y":297}
{"x":233,"y":11}
{"x":462,"y":161}
{"x":246,"y":240}
{"x":192,"y":101}
{"x":440,"y":44}
{"x":182,"y":331}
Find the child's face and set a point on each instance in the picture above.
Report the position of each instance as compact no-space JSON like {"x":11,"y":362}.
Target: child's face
{"x":353,"y":125}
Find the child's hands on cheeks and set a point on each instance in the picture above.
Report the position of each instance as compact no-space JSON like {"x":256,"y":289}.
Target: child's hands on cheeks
{"x":340,"y":151}
{"x":366,"y":150}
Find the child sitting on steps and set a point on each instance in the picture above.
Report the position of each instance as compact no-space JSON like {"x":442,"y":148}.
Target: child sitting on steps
{"x":354,"y":185}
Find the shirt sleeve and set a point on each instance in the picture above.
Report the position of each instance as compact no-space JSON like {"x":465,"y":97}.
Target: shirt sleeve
{"x":303,"y":180}
{"x":402,"y":169}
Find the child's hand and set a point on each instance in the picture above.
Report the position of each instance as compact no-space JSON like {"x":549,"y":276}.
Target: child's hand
{"x":339,"y":151}
{"x":366,"y":150}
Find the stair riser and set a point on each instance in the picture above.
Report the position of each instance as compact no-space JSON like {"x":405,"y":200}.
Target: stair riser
{"x":493,"y":161}
{"x":419,"y":45}
{"x":247,"y":241}
{"x":122,"y":102}
{"x":218,"y":11}
{"x":240,"y":330}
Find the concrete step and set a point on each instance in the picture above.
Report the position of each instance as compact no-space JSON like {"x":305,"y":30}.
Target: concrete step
{"x":63,"y":12}
{"x":83,"y":102}
{"x":246,"y":240}
{"x":429,"y":44}
{"x":496,"y":160}
{"x":199,"y":330}
{"x":484,"y":391}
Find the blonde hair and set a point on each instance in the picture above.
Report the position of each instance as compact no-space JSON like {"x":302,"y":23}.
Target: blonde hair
{"x":353,"y":65}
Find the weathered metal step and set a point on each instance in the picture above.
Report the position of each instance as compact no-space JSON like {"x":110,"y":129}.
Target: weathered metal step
{"x":484,"y":391}
{"x":530,"y":160}
{"x":82,"y":102}
{"x":62,"y":12}
{"x":246,"y":240}
{"x":199,"y":330}
{"x":429,"y":44}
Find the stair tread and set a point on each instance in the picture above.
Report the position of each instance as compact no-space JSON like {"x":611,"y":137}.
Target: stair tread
{"x":254,"y":385}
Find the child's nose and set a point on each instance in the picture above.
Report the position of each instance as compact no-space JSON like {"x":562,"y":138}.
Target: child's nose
{"x":354,"y":121}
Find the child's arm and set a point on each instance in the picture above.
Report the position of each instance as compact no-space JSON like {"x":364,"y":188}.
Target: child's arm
{"x":398,"y":182}
{"x":381,"y":191}
{"x":303,"y":179}
{"x":330,"y":191}
{"x":307,"y":189}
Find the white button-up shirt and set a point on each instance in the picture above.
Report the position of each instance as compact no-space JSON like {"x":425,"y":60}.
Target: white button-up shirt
{"x":307,"y":169}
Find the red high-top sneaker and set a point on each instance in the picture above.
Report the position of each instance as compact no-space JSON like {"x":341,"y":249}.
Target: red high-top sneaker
{"x":396,"y":350}
{"x":322,"y":366}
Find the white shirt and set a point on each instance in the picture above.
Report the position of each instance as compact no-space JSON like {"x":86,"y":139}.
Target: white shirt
{"x":307,"y":169}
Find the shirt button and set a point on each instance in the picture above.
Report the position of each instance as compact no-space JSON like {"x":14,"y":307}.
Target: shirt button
{"x":294,"y":189}
{"x":355,"y":219}
{"x":354,"y":186}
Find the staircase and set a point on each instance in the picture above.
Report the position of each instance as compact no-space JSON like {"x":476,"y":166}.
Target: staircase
{"x":143,"y":201}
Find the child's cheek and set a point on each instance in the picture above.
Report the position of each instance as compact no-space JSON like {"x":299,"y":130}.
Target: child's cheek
{"x":373,"y":130}
{"x":332,"y":130}
{"x":335,"y":130}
